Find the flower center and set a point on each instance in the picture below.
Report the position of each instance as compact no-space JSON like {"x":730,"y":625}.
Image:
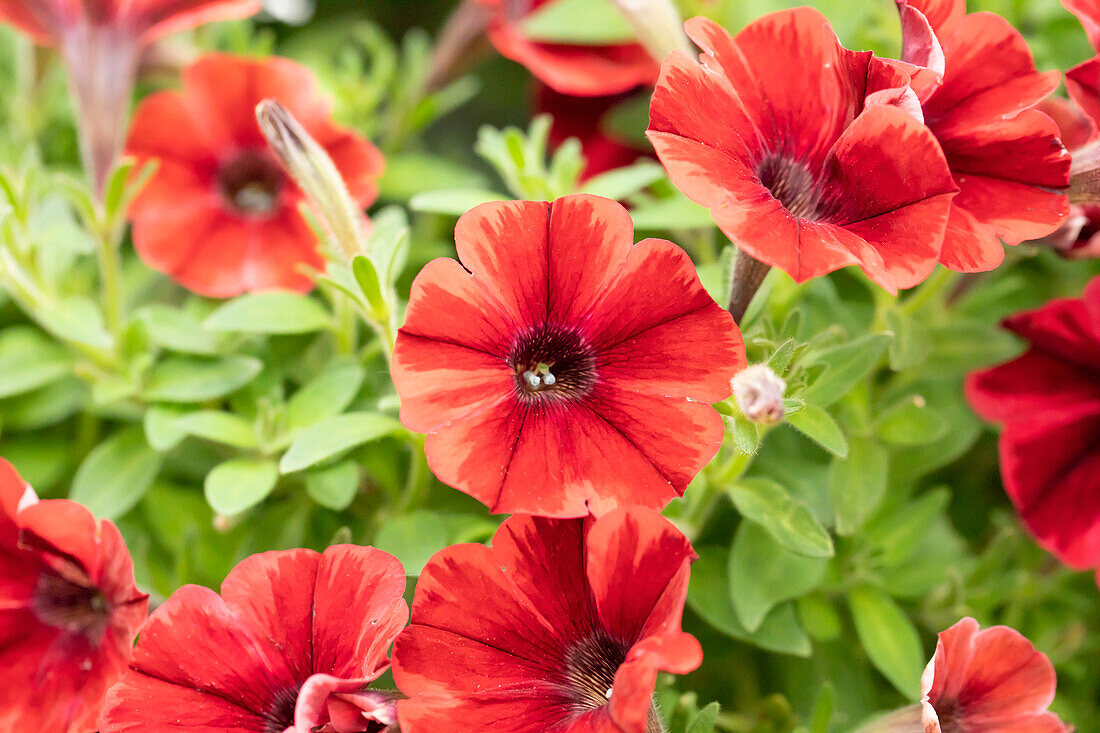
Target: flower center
{"x":71,"y":607}
{"x":553,"y":362}
{"x":792,"y":184}
{"x":251,"y":182}
{"x":280,"y":711}
{"x":590,"y":668}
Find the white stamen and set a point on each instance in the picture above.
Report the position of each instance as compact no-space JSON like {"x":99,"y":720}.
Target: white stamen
{"x":608,"y":693}
{"x":533,"y":380}
{"x":548,"y":379}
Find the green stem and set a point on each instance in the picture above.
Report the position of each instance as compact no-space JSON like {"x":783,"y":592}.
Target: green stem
{"x":418,"y":480}
{"x":110,"y":277}
{"x":938,"y":283}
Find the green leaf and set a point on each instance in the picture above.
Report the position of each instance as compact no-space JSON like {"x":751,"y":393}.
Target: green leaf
{"x":910,"y":346}
{"x":676,"y":212}
{"x":622,"y":182}
{"x":819,"y":617}
{"x":709,"y":596}
{"x":333,"y":486}
{"x":77,"y":320}
{"x":822,"y":714}
{"x":116,"y":474}
{"x":28,"y":361}
{"x":413,"y":539}
{"x":333,"y":436}
{"x":780,"y":360}
{"x":705,"y":720}
{"x":177,"y":330}
{"x":910,"y":423}
{"x":161,"y":429}
{"x":454,"y":202}
{"x":578,"y":22}
{"x":270,"y":312}
{"x":408,"y":174}
{"x":326,"y":395}
{"x":857,"y":484}
{"x":239,"y":484}
{"x":817,"y":425}
{"x":220,"y":427}
{"x":787,"y":520}
{"x":181,"y":379}
{"x":763,"y":574}
{"x":45,"y":406}
{"x":845,"y":365}
{"x":889,"y":637}
{"x":963,"y":346}
{"x":744,"y":433}
{"x":366,"y":274}
{"x":898,"y":534}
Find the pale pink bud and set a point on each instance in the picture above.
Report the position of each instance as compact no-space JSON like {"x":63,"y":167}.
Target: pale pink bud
{"x":759,"y":393}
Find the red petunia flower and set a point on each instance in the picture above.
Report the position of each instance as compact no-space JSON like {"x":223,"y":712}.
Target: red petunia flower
{"x":1049,"y":402}
{"x":69,"y":610}
{"x":289,"y":646}
{"x":557,"y":368}
{"x":1010,"y":166}
{"x":582,"y":71}
{"x":583,"y":118}
{"x":808,"y":155}
{"x":562,"y":625}
{"x":992,"y":681}
{"x":220,"y":215}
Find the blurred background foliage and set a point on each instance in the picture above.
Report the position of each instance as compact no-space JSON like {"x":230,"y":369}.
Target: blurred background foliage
{"x":832,"y":548}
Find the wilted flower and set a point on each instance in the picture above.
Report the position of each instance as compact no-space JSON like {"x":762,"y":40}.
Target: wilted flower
{"x":759,"y":393}
{"x":559,"y":368}
{"x":69,"y":610}
{"x":221,"y":214}
{"x":561,"y":625}
{"x":289,"y":646}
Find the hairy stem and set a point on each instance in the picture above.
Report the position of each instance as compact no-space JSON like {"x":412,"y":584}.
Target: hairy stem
{"x":748,"y":274}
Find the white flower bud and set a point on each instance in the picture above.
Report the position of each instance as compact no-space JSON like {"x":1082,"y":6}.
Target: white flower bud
{"x":759,"y":393}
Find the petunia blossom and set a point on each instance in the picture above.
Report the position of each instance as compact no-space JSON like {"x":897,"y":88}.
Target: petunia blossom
{"x":577,"y":70}
{"x":289,"y":646}
{"x":1006,"y":156}
{"x":810,"y":157}
{"x":1048,"y":400}
{"x":990,"y":680}
{"x":559,"y":368}
{"x":101,"y":41}
{"x":221,"y":215}
{"x":69,"y":610}
{"x":562,"y":625}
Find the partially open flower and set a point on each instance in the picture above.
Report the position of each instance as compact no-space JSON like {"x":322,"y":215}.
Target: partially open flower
{"x":69,"y":611}
{"x":562,"y":625}
{"x":759,"y":393}
{"x":289,"y":646}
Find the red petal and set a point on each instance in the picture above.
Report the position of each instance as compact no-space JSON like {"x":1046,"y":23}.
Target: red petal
{"x":1089,"y":14}
{"x":1033,"y":385}
{"x":940,"y":13}
{"x":140,"y":703}
{"x":169,"y":16}
{"x":1083,"y":85}
{"x":515,"y":711}
{"x":1074,"y":126}
{"x":632,"y":693}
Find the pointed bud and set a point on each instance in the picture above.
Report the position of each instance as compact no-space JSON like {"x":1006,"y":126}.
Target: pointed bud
{"x":315,"y":173}
{"x":759,"y":393}
{"x":657,"y":24}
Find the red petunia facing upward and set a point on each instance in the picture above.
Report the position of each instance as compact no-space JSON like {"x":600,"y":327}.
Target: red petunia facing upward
{"x":561,"y":626}
{"x":69,"y":611}
{"x":988,"y":681}
{"x":1006,"y":157}
{"x":810,"y":157}
{"x":1049,"y":402}
{"x":289,"y":646}
{"x":559,"y":367}
{"x":220,"y":215}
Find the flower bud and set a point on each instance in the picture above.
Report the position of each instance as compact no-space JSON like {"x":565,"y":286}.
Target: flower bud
{"x":657,"y":24}
{"x":315,"y":173}
{"x":759,"y":393}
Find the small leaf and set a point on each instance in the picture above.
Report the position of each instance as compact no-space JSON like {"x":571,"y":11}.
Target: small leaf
{"x":270,"y":312}
{"x":579,"y":23}
{"x":763,"y":574}
{"x":454,"y":202}
{"x":676,"y":212}
{"x":177,"y":330}
{"x":326,"y":395}
{"x":910,"y":423}
{"x":181,"y":379}
{"x":239,"y":484}
{"x":705,"y":720}
{"x":79,"y":321}
{"x":619,"y":183}
{"x":116,"y":474}
{"x":845,"y":365}
{"x":333,"y":436}
{"x":161,"y":429}
{"x":787,"y":520}
{"x":413,"y":539}
{"x":220,"y":427}
{"x":334,"y":486}
{"x":822,"y":714}
{"x":780,"y":360}
{"x":857,"y":484}
{"x":889,"y":637}
{"x":745,"y":435}
{"x":910,"y":346}
{"x":817,"y":425}
{"x":28,"y":361}
{"x":367,"y":276}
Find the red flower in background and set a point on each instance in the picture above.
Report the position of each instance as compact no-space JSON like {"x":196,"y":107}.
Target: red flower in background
{"x":1049,"y":402}
{"x":289,"y":646}
{"x":562,"y":625}
{"x":69,"y":611}
{"x":992,"y":681}
{"x":807,"y":154}
{"x":1005,"y":155}
{"x":220,"y":215}
{"x":584,"y":118}
{"x":587,"y":71}
{"x":556,"y":368}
